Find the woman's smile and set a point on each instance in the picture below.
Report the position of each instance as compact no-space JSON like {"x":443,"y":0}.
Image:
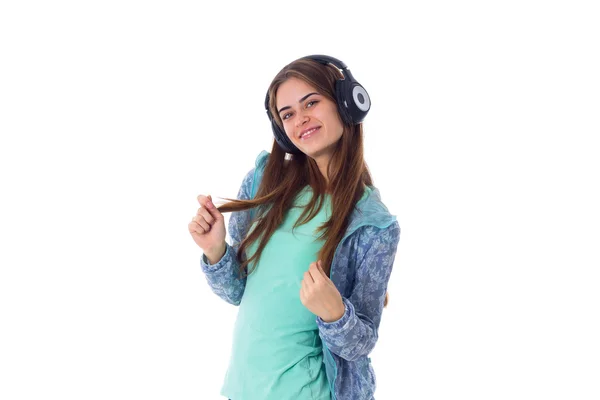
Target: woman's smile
{"x":310,"y":134}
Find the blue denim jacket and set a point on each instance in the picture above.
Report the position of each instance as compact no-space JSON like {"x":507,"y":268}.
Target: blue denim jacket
{"x":360,"y":270}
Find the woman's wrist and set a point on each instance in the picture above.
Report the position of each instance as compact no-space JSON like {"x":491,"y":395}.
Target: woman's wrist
{"x":214,"y":256}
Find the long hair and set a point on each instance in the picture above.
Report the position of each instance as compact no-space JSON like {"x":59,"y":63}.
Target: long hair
{"x":284,"y":177}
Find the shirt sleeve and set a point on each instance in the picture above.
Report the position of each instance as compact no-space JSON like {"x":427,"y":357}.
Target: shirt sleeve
{"x":354,"y":335}
{"x":223,"y":277}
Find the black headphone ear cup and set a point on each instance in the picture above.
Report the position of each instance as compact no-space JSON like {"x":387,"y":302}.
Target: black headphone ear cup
{"x":361,"y":102}
{"x":341,"y":98}
{"x":354,"y":102}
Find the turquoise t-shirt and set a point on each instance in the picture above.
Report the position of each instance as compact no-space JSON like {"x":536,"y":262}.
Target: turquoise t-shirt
{"x":277,"y":352}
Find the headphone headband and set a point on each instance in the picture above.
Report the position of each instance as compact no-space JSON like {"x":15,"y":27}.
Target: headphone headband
{"x":323,"y":59}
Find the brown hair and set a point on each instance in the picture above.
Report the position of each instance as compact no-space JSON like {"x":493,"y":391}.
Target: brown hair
{"x":283,"y":177}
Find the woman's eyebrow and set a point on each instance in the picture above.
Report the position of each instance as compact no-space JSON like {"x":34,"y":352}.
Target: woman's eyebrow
{"x":299,"y":101}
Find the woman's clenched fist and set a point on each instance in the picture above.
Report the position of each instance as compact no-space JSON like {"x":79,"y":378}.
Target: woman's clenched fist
{"x":208,"y":227}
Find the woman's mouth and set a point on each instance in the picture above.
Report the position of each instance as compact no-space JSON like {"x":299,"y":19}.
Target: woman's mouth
{"x":310,"y":133}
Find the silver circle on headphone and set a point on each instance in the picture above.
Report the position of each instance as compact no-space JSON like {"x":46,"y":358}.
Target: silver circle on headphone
{"x":361,"y":98}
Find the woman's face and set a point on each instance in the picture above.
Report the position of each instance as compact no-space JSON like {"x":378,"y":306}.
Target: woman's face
{"x":300,"y":110}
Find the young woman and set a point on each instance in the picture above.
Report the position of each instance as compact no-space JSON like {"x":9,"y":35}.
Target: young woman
{"x":312,"y":246}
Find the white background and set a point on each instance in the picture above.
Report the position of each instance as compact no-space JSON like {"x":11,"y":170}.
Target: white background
{"x":482,"y":139}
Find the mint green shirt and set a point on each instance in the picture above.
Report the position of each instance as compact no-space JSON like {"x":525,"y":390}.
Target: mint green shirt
{"x":277,"y":352}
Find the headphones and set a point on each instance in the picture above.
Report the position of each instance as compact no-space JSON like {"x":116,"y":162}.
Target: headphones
{"x":353,"y":102}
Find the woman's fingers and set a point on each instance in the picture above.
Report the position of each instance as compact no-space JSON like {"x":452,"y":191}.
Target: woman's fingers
{"x":206,"y":214}
{"x":201,"y":222}
{"x":195,"y":229}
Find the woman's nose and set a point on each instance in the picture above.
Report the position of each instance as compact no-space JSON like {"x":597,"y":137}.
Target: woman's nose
{"x":301,"y":119}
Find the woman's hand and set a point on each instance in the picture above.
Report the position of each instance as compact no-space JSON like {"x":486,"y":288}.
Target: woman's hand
{"x":208,"y":226}
{"x":319,"y":294}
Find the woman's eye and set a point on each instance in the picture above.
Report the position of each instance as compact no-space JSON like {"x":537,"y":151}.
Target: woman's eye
{"x":307,"y":104}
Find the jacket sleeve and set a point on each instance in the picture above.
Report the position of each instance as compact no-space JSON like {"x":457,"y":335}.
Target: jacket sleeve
{"x":223,"y":276}
{"x":354,"y":335}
